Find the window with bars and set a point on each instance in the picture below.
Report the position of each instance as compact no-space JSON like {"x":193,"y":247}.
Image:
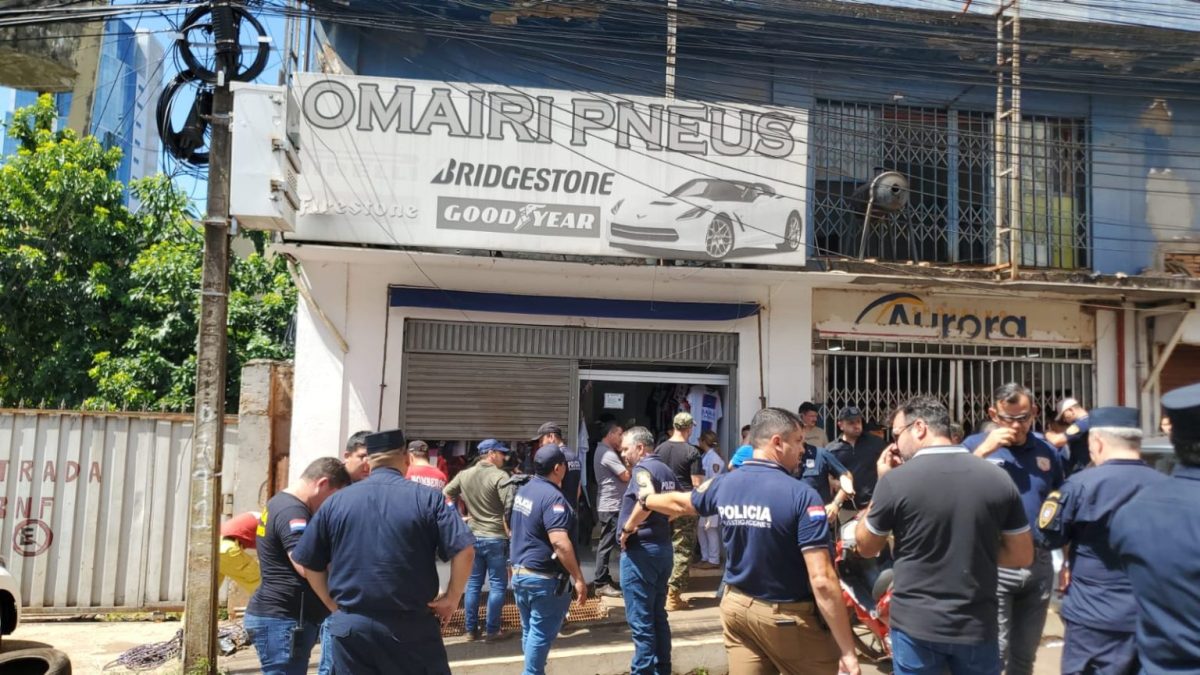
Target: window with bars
{"x":947,"y":157}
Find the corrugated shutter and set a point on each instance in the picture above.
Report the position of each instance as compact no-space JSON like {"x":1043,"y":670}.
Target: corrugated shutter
{"x":457,"y":396}
{"x":1182,"y":369}
{"x":614,"y":345}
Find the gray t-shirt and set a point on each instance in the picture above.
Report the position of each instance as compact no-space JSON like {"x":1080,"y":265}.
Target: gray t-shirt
{"x":609,"y":468}
{"x":947,"y":509}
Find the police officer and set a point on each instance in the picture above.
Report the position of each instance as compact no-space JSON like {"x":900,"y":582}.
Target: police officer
{"x":1035,"y":467}
{"x":1099,"y":610}
{"x":817,"y":467}
{"x":779,"y":570}
{"x":647,"y":557}
{"x":543,"y":555}
{"x":370,"y":554}
{"x":1156,"y":536}
{"x":1074,"y":440}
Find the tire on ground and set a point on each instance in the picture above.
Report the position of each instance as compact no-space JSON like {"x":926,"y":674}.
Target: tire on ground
{"x":40,"y":661}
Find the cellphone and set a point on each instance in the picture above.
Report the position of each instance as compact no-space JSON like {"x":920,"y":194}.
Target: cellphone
{"x":785,"y":622}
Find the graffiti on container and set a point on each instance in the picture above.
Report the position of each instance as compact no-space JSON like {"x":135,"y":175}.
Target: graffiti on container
{"x":32,"y":537}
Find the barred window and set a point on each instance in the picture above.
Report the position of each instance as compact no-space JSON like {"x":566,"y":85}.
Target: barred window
{"x":947,"y":157}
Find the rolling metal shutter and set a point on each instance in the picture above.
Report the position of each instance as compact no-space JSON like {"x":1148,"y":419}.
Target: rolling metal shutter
{"x":458,"y":396}
{"x":1182,"y":369}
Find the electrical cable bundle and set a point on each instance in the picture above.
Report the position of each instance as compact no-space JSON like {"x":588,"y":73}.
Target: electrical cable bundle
{"x":218,"y":26}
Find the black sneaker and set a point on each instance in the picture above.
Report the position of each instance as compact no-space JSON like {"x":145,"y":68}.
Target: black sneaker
{"x":474,"y":635}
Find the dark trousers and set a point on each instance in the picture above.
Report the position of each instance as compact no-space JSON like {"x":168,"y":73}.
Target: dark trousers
{"x":364,"y":646}
{"x":608,"y":544}
{"x":1090,"y":651}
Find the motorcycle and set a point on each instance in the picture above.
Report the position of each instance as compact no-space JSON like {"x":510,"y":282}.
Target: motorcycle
{"x":867,"y":592}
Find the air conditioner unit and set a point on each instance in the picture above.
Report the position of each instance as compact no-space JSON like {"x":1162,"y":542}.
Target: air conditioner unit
{"x":265,"y":167}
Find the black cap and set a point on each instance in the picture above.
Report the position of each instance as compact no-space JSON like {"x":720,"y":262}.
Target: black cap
{"x":548,"y":428}
{"x":849,"y":413}
{"x":385,"y":441}
{"x":1115,"y":416}
{"x":1182,"y":407}
{"x":547,"y":457}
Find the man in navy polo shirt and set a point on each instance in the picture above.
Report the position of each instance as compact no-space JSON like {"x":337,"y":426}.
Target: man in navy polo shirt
{"x":1157,"y":538}
{"x":648,"y":555}
{"x":1035,"y":467}
{"x":1099,"y":609}
{"x":370,"y":554}
{"x":542,"y":555}
{"x":780,"y":571}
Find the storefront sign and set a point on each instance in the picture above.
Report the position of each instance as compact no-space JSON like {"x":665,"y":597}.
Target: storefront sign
{"x":949,"y":318}
{"x":464,"y":165}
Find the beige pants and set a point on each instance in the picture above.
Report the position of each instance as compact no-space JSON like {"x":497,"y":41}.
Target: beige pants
{"x":767,"y":638}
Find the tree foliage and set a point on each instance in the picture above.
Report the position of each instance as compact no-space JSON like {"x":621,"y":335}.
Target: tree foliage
{"x":98,"y":305}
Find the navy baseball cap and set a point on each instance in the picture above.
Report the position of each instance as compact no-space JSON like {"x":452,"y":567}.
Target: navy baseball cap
{"x":1115,"y":416}
{"x":849,"y":413}
{"x":547,"y":457}
{"x":492,"y":445}
{"x":1182,"y":407}
{"x":385,"y":441}
{"x":548,"y":428}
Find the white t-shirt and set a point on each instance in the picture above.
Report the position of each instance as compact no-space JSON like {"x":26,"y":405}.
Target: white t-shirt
{"x":705,"y":406}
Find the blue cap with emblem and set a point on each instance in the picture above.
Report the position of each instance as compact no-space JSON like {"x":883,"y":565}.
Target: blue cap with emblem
{"x":849,"y":413}
{"x":1182,"y":407}
{"x":385,"y":441}
{"x":1115,"y":416}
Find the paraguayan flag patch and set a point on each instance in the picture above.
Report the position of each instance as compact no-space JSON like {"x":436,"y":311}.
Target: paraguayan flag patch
{"x":297,"y":524}
{"x":816,"y":513}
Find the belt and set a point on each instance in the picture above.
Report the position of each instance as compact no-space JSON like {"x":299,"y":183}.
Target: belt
{"x":517,"y":569}
{"x":800,"y":606}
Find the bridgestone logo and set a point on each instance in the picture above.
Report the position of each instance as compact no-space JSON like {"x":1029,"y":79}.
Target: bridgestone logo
{"x":526,"y":179}
{"x":536,"y":218}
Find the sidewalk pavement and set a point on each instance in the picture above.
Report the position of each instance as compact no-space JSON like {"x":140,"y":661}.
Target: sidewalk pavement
{"x":601,"y":649}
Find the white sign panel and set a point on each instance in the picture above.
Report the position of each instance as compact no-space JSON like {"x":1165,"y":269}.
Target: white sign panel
{"x":465,"y":165}
{"x":614,"y":401}
{"x":867,"y":315}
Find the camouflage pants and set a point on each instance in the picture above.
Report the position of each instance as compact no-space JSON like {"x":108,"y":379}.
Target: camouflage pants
{"x":683,"y":540}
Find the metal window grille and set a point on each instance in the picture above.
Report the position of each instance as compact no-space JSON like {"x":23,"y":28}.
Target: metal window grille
{"x":947,"y":157}
{"x":877,"y":376}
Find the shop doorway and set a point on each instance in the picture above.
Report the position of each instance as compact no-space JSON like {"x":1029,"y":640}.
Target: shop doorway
{"x":651,"y":399}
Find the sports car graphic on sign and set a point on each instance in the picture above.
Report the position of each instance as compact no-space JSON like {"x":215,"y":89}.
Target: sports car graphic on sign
{"x":710,"y":217}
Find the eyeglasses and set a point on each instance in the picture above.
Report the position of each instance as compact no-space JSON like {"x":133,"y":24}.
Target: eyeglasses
{"x":1014,"y":418}
{"x":903,"y":429}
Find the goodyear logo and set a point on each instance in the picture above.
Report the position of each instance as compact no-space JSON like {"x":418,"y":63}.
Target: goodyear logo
{"x":906,"y":309}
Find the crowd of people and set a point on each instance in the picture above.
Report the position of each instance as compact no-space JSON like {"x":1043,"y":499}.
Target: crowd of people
{"x":969,"y":526}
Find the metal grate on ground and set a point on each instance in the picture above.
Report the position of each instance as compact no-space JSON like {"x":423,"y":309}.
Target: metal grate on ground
{"x":510,"y":619}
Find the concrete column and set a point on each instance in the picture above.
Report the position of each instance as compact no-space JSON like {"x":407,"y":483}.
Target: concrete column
{"x":788,"y":331}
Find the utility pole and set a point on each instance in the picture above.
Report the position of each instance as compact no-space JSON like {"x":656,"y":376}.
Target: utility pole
{"x":1006,"y":146}
{"x":208,"y":444}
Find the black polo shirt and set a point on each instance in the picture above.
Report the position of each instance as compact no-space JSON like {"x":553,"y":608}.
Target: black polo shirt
{"x":947,"y":509}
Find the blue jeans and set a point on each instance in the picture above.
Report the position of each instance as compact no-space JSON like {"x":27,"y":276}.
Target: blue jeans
{"x":281,"y":649}
{"x":644,"y":575}
{"x":325,"y":665}
{"x":491,"y":559}
{"x":911,"y":656}
{"x":542,"y":614}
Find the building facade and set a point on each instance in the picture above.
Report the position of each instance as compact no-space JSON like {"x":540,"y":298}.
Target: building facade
{"x":128,"y":83}
{"x":509,"y":216}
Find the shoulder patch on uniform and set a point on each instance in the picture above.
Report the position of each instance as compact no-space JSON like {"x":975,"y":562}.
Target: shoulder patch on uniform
{"x":645,"y":483}
{"x":1049,"y":509}
{"x":1073,"y":429}
{"x":704,"y":486}
{"x":1043,"y":463}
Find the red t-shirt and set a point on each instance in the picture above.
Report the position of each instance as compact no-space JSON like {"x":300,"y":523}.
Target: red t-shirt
{"x":241,"y":528}
{"x":427,"y":475}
